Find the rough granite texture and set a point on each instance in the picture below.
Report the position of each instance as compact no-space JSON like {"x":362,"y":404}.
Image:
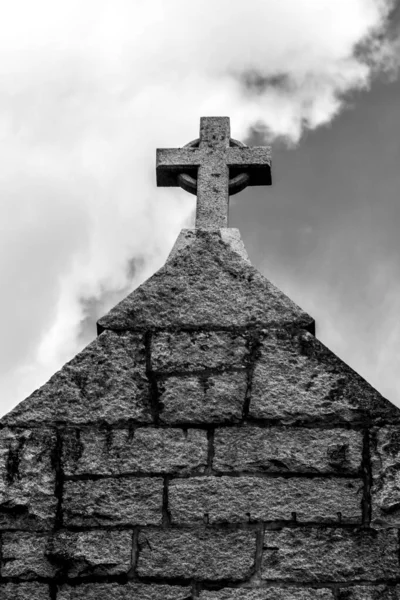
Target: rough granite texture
{"x":206,"y":445}
{"x":385,"y":491}
{"x":208,"y":555}
{"x":24,"y":591}
{"x":24,"y":556}
{"x":113,"y":502}
{"x":27,"y":479}
{"x":129,"y":591}
{"x":217,"y":289}
{"x":254,"y":499}
{"x":106,"y":382}
{"x":272,"y":593}
{"x":212,"y":162}
{"x":229,"y":235}
{"x":296,"y":378}
{"x":85,"y":553}
{"x":378,"y":592}
{"x":300,"y":450}
{"x":144,"y":450}
{"x":211,"y":399}
{"x":75,"y":554}
{"x":198,"y":350}
{"x":319,"y":555}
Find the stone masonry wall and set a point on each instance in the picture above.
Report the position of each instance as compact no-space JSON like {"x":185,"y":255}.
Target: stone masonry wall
{"x":205,"y":445}
{"x":246,"y":464}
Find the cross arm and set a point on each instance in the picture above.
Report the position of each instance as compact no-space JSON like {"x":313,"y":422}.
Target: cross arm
{"x":255,"y":161}
{"x":171,"y":162}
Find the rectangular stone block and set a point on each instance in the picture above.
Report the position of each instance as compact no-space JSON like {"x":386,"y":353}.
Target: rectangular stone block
{"x":322,"y":555}
{"x":105,"y":382}
{"x":133,"y":501}
{"x":24,"y":556}
{"x":270,"y":593}
{"x":86,"y":553}
{"x":376,"y":592}
{"x":74,"y":554}
{"x":144,"y":450}
{"x":27,"y":479}
{"x":201,"y":554}
{"x":197,"y":350}
{"x":298,"y":378}
{"x":385,"y":489}
{"x":243,"y":499}
{"x":129,"y":591}
{"x":211,"y":399}
{"x":295,"y":449}
{"x":24,"y":591}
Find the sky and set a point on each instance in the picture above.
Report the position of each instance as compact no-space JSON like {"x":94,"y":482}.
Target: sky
{"x":89,"y":89}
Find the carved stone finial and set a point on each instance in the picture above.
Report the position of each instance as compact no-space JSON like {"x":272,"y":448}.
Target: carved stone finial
{"x":213,"y":167}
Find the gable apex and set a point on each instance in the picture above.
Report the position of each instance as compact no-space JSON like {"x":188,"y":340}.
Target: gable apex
{"x":207,"y":282}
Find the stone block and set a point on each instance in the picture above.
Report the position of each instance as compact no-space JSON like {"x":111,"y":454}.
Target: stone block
{"x":27,"y":479}
{"x":200,"y":554}
{"x":270,"y":593}
{"x":298,"y":378}
{"x":296,"y":449}
{"x":376,"y":592}
{"x":211,"y":399}
{"x":335,"y":555}
{"x":144,"y":450}
{"x":385,"y":489}
{"x":105,"y":382}
{"x":24,"y":591}
{"x":217,"y":288}
{"x":86,"y":553}
{"x":133,"y":501}
{"x":24,"y":556}
{"x":129,"y":591}
{"x":74,"y":554}
{"x":243,"y":499}
{"x":197,"y":350}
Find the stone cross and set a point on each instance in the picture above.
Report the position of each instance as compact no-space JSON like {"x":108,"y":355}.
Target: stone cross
{"x":213,"y":167}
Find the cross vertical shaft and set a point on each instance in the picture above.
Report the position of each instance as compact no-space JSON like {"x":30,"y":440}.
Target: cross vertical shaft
{"x":213,"y":167}
{"x":213,"y":174}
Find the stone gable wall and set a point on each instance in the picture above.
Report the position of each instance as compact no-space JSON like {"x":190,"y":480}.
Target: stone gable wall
{"x":234,"y":464}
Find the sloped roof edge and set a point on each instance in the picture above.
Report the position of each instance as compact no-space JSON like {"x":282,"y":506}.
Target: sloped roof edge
{"x":206,"y":282}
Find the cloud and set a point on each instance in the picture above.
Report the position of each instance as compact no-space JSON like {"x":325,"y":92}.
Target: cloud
{"x":89,"y":89}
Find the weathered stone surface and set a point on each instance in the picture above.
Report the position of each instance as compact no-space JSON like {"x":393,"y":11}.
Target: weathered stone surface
{"x":385,"y":489}
{"x":211,"y":399}
{"x":29,"y":556}
{"x":215,"y":156}
{"x":298,"y":378}
{"x":202,"y":554}
{"x":24,"y":556}
{"x":133,"y":501}
{"x":378,"y":592}
{"x":216,"y":286}
{"x":27,"y":479}
{"x":130,"y":591}
{"x":105,"y":382}
{"x":242,"y":499}
{"x":320,"y":555}
{"x":287,"y":450}
{"x":146,"y":450}
{"x":24,"y":591}
{"x":197,"y":350}
{"x":270,"y":593}
{"x":230,"y":235}
{"x":83,"y":553}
